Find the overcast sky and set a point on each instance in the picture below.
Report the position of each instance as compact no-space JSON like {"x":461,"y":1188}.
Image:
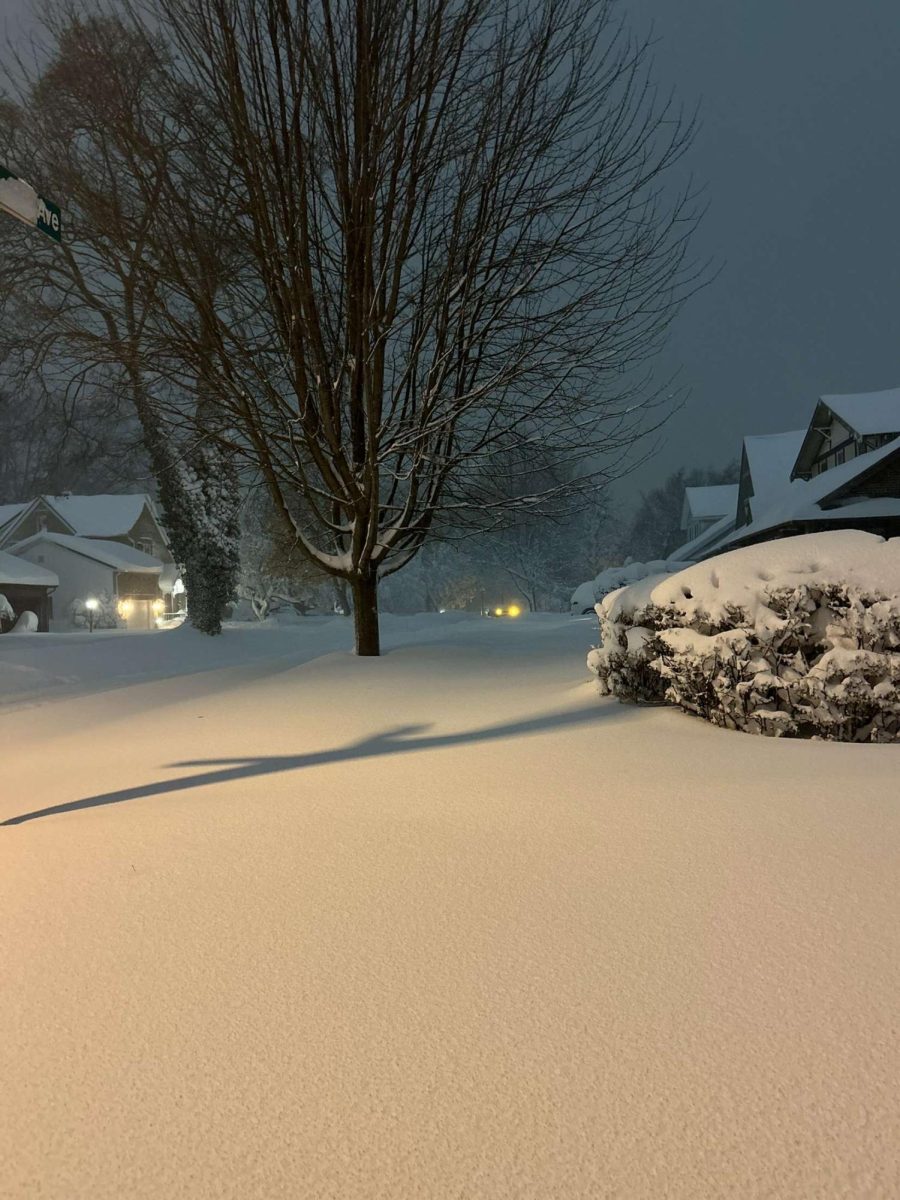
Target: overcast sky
{"x":800,"y":153}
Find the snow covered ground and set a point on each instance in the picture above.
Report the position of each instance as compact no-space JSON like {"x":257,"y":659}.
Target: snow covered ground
{"x":278,"y":922}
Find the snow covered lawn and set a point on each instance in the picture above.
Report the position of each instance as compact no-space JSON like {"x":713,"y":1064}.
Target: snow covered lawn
{"x":279,"y":922}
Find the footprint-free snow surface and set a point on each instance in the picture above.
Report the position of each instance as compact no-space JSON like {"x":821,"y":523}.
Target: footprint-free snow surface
{"x":279,"y":922}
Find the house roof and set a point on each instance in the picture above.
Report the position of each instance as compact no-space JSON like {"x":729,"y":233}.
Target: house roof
{"x":111,"y":554}
{"x":868,"y":412}
{"x":802,"y":499}
{"x":9,"y":511}
{"x":100,"y":516}
{"x":25,"y":574}
{"x":698,"y":546}
{"x":717,"y":500}
{"x":770,"y":460}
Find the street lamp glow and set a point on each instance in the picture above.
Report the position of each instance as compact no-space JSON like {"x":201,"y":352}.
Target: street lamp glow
{"x":91,"y":605}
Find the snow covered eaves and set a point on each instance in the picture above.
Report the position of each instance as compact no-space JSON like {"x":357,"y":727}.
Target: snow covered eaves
{"x":701,"y":545}
{"x":770,"y":461}
{"x":19,"y":518}
{"x":868,"y":412}
{"x":8,"y":513}
{"x":716,"y":500}
{"x":21,"y":572}
{"x":101,"y":516}
{"x":110,"y":554}
{"x":806,"y":499}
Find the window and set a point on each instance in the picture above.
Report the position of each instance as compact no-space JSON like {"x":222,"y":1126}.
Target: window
{"x":145,"y":544}
{"x":839,"y":456}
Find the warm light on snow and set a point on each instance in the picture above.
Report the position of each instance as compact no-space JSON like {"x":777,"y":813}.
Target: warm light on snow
{"x":439,"y":924}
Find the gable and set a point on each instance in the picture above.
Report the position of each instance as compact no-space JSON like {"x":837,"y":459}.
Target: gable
{"x":34,"y":518}
{"x":843,"y":427}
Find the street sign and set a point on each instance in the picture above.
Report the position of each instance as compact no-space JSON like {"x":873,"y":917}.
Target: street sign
{"x":21,"y":201}
{"x":49,"y":219}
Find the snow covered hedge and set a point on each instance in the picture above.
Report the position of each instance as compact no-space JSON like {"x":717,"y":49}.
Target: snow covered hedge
{"x":586,"y":595}
{"x":798,"y":637}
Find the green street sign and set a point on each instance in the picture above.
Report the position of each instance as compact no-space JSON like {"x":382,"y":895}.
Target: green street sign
{"x":21,"y":201}
{"x":49,"y":219}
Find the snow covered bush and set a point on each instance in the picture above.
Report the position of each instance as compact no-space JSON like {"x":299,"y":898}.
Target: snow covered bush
{"x":798,"y":637}
{"x":7,"y":613}
{"x":105,"y":614}
{"x":27,"y":623}
{"x":586,"y":595}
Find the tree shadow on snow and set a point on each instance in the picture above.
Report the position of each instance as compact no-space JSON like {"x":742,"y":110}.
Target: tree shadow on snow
{"x":401,"y":740}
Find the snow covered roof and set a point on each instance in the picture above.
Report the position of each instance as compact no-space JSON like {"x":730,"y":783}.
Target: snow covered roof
{"x":770,"y":460}
{"x":801,"y":499}
{"x":25,"y":574}
{"x":111,"y":554}
{"x":100,"y":516}
{"x":698,"y":546}
{"x":9,"y":511}
{"x":717,"y":500}
{"x":868,"y":412}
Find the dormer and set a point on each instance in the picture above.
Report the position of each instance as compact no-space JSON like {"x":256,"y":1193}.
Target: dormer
{"x":843,"y":427}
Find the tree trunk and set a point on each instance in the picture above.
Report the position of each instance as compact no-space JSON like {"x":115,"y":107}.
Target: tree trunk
{"x":365,"y":613}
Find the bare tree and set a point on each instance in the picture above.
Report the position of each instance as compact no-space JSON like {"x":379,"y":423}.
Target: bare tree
{"x":388,"y":241}
{"x":74,"y":318}
{"x":454,"y":237}
{"x":655,"y":530}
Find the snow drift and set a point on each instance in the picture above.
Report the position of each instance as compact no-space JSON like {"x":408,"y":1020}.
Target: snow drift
{"x":797,"y":637}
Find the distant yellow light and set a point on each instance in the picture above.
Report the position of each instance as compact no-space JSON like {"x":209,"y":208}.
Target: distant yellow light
{"x":498,"y":612}
{"x":158,"y":606}
{"x":125,"y":608}
{"x":513,"y":610}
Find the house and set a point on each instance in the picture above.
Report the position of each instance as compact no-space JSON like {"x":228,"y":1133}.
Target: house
{"x":27,"y":588}
{"x":841,"y":472}
{"x":706,"y":506}
{"x":130,"y":520}
{"x":87,"y":567}
{"x":846,"y":427}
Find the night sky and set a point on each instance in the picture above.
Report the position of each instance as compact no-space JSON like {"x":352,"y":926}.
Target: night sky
{"x":799,"y":151}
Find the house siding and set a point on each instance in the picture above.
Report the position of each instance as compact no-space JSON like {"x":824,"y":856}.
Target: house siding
{"x":79,"y":577}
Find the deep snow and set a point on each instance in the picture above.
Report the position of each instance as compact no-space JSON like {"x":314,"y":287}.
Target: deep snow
{"x":443,"y":924}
